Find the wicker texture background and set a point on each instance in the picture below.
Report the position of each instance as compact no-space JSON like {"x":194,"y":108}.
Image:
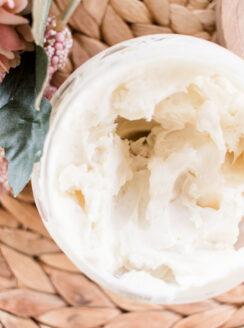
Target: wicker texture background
{"x":39,"y":286}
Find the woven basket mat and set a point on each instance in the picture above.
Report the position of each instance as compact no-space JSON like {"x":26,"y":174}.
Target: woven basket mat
{"x":39,"y":286}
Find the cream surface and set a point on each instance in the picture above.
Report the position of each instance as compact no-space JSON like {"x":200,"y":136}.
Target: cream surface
{"x":149,"y":168}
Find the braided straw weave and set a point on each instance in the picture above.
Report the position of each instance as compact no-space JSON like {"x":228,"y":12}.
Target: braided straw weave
{"x":40,"y":287}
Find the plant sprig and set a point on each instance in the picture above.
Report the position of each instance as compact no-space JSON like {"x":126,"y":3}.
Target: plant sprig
{"x":24,"y":112}
{"x":23,"y":128}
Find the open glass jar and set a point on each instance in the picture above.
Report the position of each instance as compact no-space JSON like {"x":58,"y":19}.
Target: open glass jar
{"x":159,"y":113}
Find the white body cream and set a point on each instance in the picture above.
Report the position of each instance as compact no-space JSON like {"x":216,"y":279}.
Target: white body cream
{"x":142,"y":177}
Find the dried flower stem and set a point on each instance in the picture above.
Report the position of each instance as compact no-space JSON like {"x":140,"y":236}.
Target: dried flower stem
{"x":68,"y":12}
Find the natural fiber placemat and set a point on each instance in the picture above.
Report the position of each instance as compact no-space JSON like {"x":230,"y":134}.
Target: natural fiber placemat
{"x":39,"y":286}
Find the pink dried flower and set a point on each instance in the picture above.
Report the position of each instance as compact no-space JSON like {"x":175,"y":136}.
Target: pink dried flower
{"x":57,"y":44}
{"x":4,"y":186}
{"x":12,"y":38}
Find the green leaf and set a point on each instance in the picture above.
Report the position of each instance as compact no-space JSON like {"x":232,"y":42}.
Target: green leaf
{"x":41,"y":74}
{"x":22,"y":136}
{"x":40,"y":12}
{"x":23,"y":128}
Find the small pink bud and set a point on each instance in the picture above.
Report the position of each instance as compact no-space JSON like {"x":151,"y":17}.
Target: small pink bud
{"x":54,"y":60}
{"x":59,"y":53}
{"x":47,"y":34}
{"x":51,"y":70}
{"x":49,"y":91}
{"x":10,"y":3}
{"x":59,"y":46}
{"x":60,"y":37}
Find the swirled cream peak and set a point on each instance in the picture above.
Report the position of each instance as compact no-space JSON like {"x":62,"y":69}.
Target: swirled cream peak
{"x":150,"y":167}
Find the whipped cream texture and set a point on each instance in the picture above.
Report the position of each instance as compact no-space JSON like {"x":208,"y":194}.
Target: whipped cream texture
{"x":148,"y":174}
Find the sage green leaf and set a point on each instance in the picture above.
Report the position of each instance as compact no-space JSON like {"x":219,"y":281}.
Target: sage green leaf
{"x":23,"y":128}
{"x":40,"y":13}
{"x":22,"y":135}
{"x":41,"y":74}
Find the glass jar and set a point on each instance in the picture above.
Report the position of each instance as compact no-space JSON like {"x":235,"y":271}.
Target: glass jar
{"x":66,"y":236}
